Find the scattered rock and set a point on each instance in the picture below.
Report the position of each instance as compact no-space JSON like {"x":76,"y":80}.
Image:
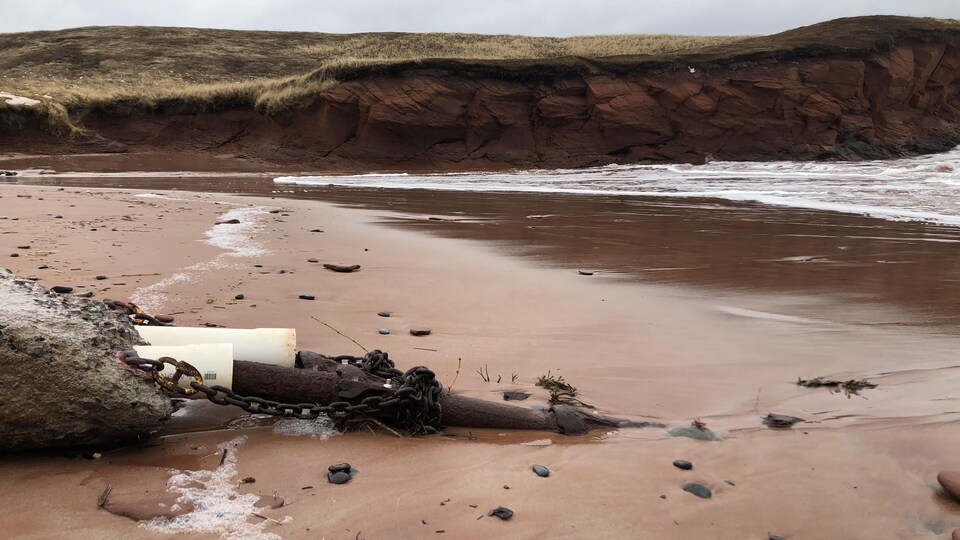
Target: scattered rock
{"x":338,"y":477}
{"x":281,"y":271}
{"x":950,"y":481}
{"x":61,"y":289}
{"x":384,"y":313}
{"x":270,"y":501}
{"x":501,"y":512}
{"x":693,"y":432}
{"x":248,"y":480}
{"x":100,"y":277}
{"x":339,"y":467}
{"x":86,"y":294}
{"x":315,"y":230}
{"x":23,"y":247}
{"x":238,"y":297}
{"x":781,"y":420}
{"x":43,"y":267}
{"x":58,"y":216}
{"x":771,"y":536}
{"x":698,"y":489}
{"x":683,"y":464}
{"x":730,"y":482}
{"x":419,"y":332}
{"x":312,"y":260}
{"x":584,"y":273}
{"x":14,"y":254}
{"x":541,"y":470}
{"x":384,"y":331}
{"x":307,"y":297}
{"x":166,"y":319}
{"x":514,"y":395}
{"x":228,"y":222}
{"x":344,"y":268}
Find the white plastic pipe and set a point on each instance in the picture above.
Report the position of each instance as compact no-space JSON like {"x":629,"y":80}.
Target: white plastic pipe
{"x":276,"y":346}
{"x":213,"y":360}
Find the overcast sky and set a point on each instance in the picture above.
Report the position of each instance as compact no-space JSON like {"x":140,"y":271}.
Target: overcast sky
{"x":530,"y":17}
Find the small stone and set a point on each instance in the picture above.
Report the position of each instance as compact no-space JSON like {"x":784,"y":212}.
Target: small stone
{"x":258,"y":266}
{"x":312,"y":260}
{"x":541,"y":470}
{"x":384,"y":331}
{"x":501,"y":512}
{"x":58,"y":216}
{"x":339,"y":467}
{"x":780,"y":420}
{"x":166,"y":319}
{"x":584,"y":273}
{"x":683,"y":464}
{"x":699,"y":490}
{"x":281,"y":271}
{"x":514,"y":395}
{"x":307,"y":297}
{"x":100,"y":277}
{"x":384,"y":313}
{"x":729,"y":482}
{"x":61,"y":289}
{"x":23,"y":247}
{"x":86,"y":294}
{"x":771,"y":536}
{"x":14,"y":254}
{"x":419,"y":332}
{"x":950,"y":481}
{"x":342,"y":268}
{"x":315,"y":230}
{"x":228,"y":222}
{"x":338,"y":477}
{"x":42,"y":267}
{"x":248,"y":480}
{"x":238,"y":297}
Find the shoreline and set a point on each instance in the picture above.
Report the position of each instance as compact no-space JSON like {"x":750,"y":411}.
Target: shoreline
{"x":644,"y":351}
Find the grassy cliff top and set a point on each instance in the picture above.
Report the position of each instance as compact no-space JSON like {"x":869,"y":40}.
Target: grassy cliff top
{"x":154,"y":68}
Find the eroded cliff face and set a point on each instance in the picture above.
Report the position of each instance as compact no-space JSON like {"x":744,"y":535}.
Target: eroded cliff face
{"x":904,"y":100}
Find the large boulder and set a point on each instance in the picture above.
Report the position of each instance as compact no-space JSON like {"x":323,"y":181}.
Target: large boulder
{"x":60,"y":381}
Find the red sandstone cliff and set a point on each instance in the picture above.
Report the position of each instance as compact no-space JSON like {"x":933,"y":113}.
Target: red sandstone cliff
{"x":900,"y":95}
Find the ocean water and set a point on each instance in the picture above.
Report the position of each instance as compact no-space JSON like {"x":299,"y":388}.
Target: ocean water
{"x":924,"y":188}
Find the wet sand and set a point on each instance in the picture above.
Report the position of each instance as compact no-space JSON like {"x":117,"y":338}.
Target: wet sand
{"x":722,"y":338}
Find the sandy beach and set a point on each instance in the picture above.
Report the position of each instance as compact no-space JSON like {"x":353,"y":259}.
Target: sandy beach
{"x":669,"y":328}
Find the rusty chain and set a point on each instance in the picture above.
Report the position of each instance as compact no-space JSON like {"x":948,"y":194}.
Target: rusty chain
{"x":414,"y":405}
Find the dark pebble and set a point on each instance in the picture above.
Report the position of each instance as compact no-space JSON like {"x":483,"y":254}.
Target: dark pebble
{"x":311,"y":260}
{"x":501,"y":512}
{"x":101,"y":277}
{"x":339,"y":467}
{"x":338,"y":477}
{"x":423,"y":332}
{"x":699,"y":490}
{"x":281,"y":271}
{"x":541,"y":470}
{"x":384,"y":331}
{"x":307,"y":297}
{"x":238,"y":297}
{"x":315,"y":230}
{"x":730,"y":482}
{"x":58,"y":216}
{"x":228,"y":222}
{"x":42,"y":267}
{"x":87,"y":294}
{"x":514,"y":395}
{"x":23,"y":247}
{"x":775,"y":537}
{"x":343,"y":268}
{"x":384,"y":313}
{"x":585,"y":273}
{"x":775,"y":420}
{"x":166,"y":319}
{"x":683,"y":464}
{"x":14,"y":254}
{"x":258,"y":266}
{"x":61,"y":289}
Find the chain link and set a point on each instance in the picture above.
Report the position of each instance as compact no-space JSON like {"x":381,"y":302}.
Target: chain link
{"x":414,"y":405}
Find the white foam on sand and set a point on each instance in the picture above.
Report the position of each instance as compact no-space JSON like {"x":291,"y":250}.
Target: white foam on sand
{"x":238,"y":240}
{"x":320,"y":428}
{"x":18,"y":100}
{"x":218,"y":507}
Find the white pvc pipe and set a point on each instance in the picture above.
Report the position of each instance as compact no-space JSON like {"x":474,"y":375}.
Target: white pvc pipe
{"x":213,"y":360}
{"x":276,"y":346}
